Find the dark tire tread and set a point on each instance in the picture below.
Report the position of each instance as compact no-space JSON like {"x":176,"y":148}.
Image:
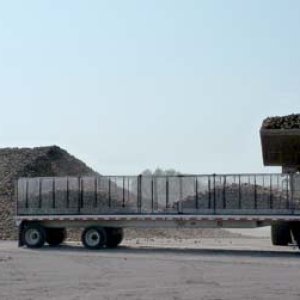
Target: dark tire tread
{"x":114,"y":237}
{"x":42,"y":235}
{"x":55,"y":236}
{"x":103,"y":240}
{"x":280,"y":234}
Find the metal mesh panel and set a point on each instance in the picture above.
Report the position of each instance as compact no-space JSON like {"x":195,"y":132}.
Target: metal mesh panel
{"x":174,"y":194}
{"x":130,"y":193}
{"x":204,"y":192}
{"x":47,"y":195}
{"x":146,"y":200}
{"x":61,"y":202}
{"x":247,"y":192}
{"x":210,"y":194}
{"x":295,"y":186}
{"x":88,"y":194}
{"x":22,"y":196}
{"x":231,"y":192}
{"x":74,"y":194}
{"x":33,"y":202}
{"x":160,"y":189}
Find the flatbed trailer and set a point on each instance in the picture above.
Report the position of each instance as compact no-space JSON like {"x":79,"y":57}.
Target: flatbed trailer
{"x":104,"y":205}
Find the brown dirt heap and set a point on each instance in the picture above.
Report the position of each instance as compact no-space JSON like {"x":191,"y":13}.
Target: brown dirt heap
{"x":31,"y":162}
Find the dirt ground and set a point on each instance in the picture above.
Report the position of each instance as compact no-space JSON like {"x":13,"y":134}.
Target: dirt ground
{"x":246,"y":268}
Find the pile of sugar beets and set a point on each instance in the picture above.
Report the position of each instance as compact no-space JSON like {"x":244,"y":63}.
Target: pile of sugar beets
{"x":286,"y":122}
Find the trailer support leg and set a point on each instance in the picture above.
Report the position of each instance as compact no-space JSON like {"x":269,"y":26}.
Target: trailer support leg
{"x":20,"y":233}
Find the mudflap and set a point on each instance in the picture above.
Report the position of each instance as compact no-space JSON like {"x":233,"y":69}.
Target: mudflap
{"x":295,"y":233}
{"x":20,"y":233}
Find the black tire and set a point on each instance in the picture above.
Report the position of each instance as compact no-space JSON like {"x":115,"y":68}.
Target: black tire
{"x":280,"y":234}
{"x":33,"y":236}
{"x":55,"y":236}
{"x":114,"y":237}
{"x":94,"y":237}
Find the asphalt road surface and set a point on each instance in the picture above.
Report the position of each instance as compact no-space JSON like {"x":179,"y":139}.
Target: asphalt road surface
{"x":247,"y":268}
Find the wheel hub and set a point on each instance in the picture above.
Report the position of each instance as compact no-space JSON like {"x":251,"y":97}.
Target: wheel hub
{"x":32,"y":236}
{"x":92,"y":238}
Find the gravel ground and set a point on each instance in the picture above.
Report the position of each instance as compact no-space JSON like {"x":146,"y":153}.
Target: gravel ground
{"x":158,"y":269}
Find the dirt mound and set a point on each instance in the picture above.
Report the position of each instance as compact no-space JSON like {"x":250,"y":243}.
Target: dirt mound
{"x":285,"y":122}
{"x":40,"y":161}
{"x":31,"y":162}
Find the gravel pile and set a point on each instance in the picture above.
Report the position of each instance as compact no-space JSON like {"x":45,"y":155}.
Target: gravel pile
{"x":7,"y":225}
{"x":286,"y":122}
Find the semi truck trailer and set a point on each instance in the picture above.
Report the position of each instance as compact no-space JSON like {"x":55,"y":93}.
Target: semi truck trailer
{"x":102,"y":206}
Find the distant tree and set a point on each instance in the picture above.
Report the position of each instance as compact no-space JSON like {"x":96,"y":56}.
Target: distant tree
{"x":171,"y":172}
{"x":158,"y":172}
{"x":147,"y":172}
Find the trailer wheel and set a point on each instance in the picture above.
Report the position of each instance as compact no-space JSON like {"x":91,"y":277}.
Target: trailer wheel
{"x":280,"y":234}
{"x":55,"y":236}
{"x":94,"y":237}
{"x":33,"y":236}
{"x":114,"y":237}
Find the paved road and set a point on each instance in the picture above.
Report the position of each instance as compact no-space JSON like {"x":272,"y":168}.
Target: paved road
{"x":207,"y":269}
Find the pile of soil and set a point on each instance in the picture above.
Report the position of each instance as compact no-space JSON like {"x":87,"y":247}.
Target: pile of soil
{"x":31,"y":162}
{"x":285,"y":122}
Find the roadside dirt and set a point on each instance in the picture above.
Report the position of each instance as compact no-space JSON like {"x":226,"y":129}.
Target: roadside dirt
{"x":209,"y":269}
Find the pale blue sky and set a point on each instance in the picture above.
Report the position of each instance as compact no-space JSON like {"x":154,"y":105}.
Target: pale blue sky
{"x":129,"y":85}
